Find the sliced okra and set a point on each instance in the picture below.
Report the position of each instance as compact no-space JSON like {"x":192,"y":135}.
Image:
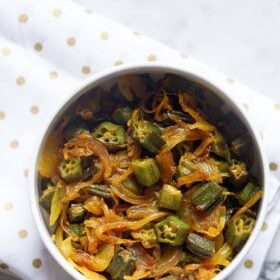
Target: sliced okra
{"x":238,"y":173}
{"x":74,"y":128}
{"x":170,"y":197}
{"x":200,"y":246}
{"x":122,"y":264}
{"x":76,"y":213}
{"x":238,"y":230}
{"x":146,"y":171}
{"x":71,"y":169}
{"x":110,"y":133}
{"x":171,"y":230}
{"x":148,"y":135}
{"x":46,"y":197}
{"x":122,"y":115}
{"x":207,"y":196}
{"x":247,"y":193}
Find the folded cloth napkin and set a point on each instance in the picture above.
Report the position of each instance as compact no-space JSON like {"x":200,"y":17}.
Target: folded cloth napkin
{"x":49,"y":47}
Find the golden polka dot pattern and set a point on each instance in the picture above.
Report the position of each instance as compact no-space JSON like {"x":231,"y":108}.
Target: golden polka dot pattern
{"x":264,"y":227}
{"x":118,"y":62}
{"x":277,"y":106}
{"x":22,"y":233}
{"x":4,"y":266}
{"x":8,"y":206}
{"x":38,"y":47}
{"x":23,"y":18}
{"x":5,"y":51}
{"x":248,"y":264}
{"x":273,"y":166}
{"x":25,"y":173}
{"x":229,"y":81}
{"x":104,"y":36}
{"x":152,"y":57}
{"x":71,"y":41}
{"x":136,"y":33}
{"x":34,"y":109}
{"x":14,"y":144}
{"x":2,"y":115}
{"x":20,"y":81}
{"x":88,"y":11}
{"x":56,"y":13}
{"x":37,"y":263}
{"x":53,"y":75}
{"x":86,"y":70}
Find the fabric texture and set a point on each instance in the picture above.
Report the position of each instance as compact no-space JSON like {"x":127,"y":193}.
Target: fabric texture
{"x":49,"y":47}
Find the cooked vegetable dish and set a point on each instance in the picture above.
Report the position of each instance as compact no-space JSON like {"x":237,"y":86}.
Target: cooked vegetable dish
{"x":151,"y":179}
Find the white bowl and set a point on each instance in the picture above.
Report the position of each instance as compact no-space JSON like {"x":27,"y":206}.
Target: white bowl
{"x":107,"y":77}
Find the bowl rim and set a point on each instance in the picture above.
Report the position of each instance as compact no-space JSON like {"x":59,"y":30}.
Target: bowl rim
{"x":204,"y":77}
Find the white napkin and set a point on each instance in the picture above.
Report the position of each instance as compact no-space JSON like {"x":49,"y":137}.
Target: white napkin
{"x":47,"y":48}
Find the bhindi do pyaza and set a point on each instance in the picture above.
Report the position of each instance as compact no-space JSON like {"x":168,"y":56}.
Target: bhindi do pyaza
{"x":149,"y":180}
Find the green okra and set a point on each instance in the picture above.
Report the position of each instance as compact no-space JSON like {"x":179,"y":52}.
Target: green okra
{"x":71,"y":169}
{"x":74,"y":128}
{"x":147,"y":236}
{"x":76,"y":213}
{"x":200,"y":246}
{"x":247,"y":193}
{"x":238,"y":230}
{"x":76,"y":229}
{"x":122,"y":264}
{"x":238,"y":173}
{"x":241,"y":145}
{"x":132,"y":185}
{"x":110,"y":133}
{"x":170,"y":197}
{"x":220,"y":146}
{"x":171,"y":230}
{"x":122,"y":115}
{"x":207,"y":196}
{"x":146,"y":171}
{"x":148,"y":135}
{"x":46,"y":197}
{"x":102,"y":190}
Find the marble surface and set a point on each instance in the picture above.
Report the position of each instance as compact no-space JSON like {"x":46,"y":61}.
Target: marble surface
{"x":240,"y":38}
{"x":237,"y":37}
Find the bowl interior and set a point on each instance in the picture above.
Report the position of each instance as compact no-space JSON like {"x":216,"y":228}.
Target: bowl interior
{"x":221,"y":102}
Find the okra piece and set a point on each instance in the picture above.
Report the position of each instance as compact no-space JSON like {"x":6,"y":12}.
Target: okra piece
{"x":46,"y":197}
{"x":76,"y":213}
{"x":132,"y":185}
{"x":241,"y":145}
{"x":146,"y":171}
{"x":147,"y":236}
{"x":247,"y":193}
{"x":238,"y":173}
{"x":71,"y":169}
{"x":187,"y":258}
{"x":207,"y":196}
{"x":169,"y":277}
{"x":110,"y":133}
{"x":76,"y":229}
{"x":122,"y":264}
{"x":238,"y":230}
{"x":220,"y":146}
{"x":170,"y":197}
{"x":74,"y":128}
{"x":122,"y":115}
{"x":102,"y":190}
{"x":200,"y":246}
{"x":171,"y":230}
{"x":148,"y":135}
